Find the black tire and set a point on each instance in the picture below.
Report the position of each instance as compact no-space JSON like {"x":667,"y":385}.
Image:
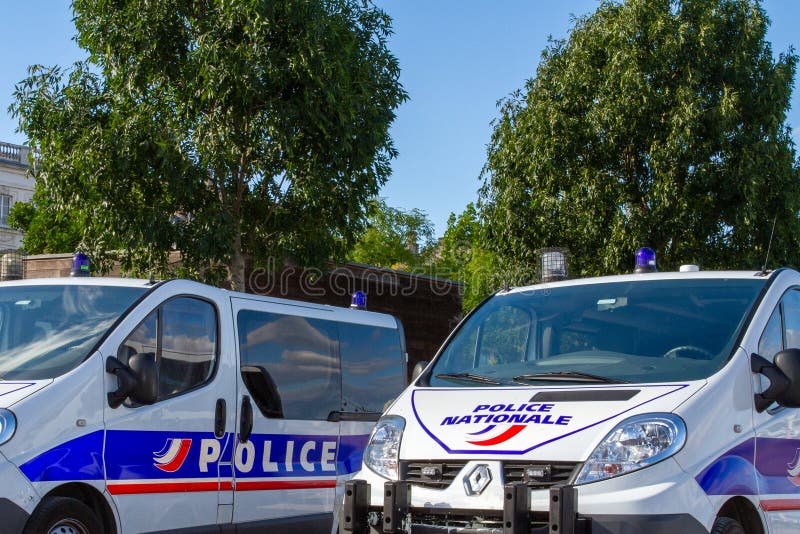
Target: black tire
{"x":726,"y":525}
{"x":62,"y":515}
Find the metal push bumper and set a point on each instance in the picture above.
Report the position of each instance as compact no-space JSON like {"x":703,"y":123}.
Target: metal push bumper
{"x":396,"y":517}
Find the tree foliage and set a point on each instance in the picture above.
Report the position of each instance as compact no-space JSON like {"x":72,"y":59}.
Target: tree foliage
{"x":220,"y":129}
{"x":657,"y":123}
{"x":46,"y":231}
{"x":395,"y":238}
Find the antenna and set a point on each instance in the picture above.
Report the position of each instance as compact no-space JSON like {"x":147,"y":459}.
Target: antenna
{"x":769,"y":245}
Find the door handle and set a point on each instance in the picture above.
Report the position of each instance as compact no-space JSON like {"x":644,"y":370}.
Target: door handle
{"x":219,"y":418}
{"x":246,"y":421}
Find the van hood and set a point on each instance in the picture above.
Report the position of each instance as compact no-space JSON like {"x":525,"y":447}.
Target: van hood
{"x":551,"y":423}
{"x":12,"y":392}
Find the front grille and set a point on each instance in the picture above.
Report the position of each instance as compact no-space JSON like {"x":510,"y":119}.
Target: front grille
{"x":439,"y":475}
{"x":538,"y":475}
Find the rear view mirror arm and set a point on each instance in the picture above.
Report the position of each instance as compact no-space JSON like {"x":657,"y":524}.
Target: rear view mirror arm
{"x":126,"y":379}
{"x":778,"y":381}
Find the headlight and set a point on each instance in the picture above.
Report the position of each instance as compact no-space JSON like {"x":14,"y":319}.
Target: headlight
{"x":635,"y":443}
{"x":383,"y":449}
{"x":8,"y":424}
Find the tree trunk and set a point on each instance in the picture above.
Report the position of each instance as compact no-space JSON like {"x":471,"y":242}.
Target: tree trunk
{"x":236,"y":268}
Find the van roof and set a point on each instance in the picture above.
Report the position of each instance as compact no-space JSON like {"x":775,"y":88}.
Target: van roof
{"x":342,"y":313}
{"x":671,"y":275}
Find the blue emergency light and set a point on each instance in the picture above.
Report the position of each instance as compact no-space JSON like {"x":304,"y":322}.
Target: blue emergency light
{"x":645,"y":261}
{"x":359,"y":301}
{"x":80,"y":265}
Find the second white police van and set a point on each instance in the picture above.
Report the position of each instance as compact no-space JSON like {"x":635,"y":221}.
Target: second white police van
{"x":657,"y":403}
{"x":128,"y":406}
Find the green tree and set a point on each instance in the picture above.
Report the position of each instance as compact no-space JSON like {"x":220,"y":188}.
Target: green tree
{"x":46,"y":231}
{"x":657,"y":123}
{"x":463,"y":255}
{"x":395,"y":238}
{"x":223,"y":130}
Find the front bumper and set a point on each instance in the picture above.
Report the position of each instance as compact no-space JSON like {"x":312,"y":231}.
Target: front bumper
{"x":396,"y":516}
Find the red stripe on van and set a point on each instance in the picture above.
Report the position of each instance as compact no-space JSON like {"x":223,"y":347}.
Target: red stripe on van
{"x":186,"y":487}
{"x":505,"y":436}
{"x":164,"y":487}
{"x":267,"y":485}
{"x":774,"y":505}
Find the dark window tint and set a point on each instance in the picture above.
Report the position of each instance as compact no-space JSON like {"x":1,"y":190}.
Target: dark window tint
{"x":791,"y":319}
{"x":182,"y":334}
{"x":289,"y":364}
{"x":771,"y":341}
{"x":372,"y":367}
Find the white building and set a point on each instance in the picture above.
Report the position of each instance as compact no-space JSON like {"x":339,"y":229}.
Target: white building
{"x":15,"y":186}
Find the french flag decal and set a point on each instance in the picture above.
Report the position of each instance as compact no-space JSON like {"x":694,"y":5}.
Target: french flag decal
{"x":171,"y":457}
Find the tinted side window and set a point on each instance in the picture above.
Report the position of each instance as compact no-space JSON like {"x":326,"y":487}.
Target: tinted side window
{"x":299,"y":357}
{"x":188,"y":345}
{"x":791,"y":319}
{"x":372,"y":367}
{"x":771,"y":341}
{"x":182,"y":334}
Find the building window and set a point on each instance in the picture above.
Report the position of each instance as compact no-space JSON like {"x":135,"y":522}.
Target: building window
{"x":5,"y":206}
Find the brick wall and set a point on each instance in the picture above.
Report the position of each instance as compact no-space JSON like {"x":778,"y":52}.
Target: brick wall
{"x":429,"y":308}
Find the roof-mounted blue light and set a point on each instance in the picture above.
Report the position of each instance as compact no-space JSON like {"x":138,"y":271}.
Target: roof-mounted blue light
{"x":80,"y":265}
{"x":359,"y":301}
{"x":645,"y":261}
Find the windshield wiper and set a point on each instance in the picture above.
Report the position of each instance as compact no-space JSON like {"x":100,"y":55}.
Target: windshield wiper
{"x":469,"y":377}
{"x":567,"y":376}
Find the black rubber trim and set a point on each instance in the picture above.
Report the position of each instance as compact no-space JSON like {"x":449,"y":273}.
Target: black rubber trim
{"x":307,"y":524}
{"x":369,"y":417}
{"x":585,"y":396}
{"x":756,"y":304}
{"x":12,"y":517}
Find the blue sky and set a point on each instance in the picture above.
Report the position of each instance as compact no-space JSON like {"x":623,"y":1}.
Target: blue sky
{"x":458,"y":58}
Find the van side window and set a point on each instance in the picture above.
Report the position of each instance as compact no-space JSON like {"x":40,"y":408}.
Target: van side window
{"x":182,"y":333}
{"x":372,"y":363}
{"x":791,"y":319}
{"x":771,"y":342}
{"x":289,"y":364}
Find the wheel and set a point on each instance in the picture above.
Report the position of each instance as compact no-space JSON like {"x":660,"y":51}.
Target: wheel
{"x":689,"y":351}
{"x":726,"y":525}
{"x":62,"y":515}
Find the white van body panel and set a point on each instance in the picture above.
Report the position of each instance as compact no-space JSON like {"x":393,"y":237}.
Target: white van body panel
{"x":732,"y":453}
{"x":161,"y":466}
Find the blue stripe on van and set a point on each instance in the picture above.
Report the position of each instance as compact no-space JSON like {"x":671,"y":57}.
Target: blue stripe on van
{"x":143,"y":455}
{"x":77,"y":459}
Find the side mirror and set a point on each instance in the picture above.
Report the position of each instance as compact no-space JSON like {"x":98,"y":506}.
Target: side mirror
{"x":418,"y":368}
{"x":137,"y":380}
{"x":145,"y":368}
{"x":788,"y":361}
{"x":784,"y":379}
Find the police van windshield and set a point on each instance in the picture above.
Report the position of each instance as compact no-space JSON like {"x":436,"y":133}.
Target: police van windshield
{"x":46,"y":331}
{"x":637,"y":331}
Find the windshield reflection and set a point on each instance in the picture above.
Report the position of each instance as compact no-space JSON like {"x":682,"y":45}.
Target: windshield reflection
{"x":639,"y":331}
{"x":46,"y":331}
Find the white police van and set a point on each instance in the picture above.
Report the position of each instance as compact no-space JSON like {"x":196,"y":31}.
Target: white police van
{"x":657,"y":403}
{"x":129,"y":406}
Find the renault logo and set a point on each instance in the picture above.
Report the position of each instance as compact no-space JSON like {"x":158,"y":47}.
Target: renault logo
{"x":477,"y":479}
